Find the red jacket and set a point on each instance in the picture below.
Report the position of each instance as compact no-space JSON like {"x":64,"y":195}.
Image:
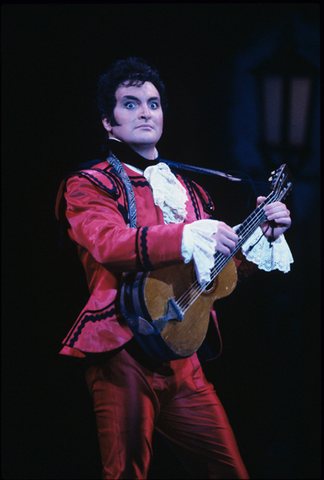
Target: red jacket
{"x":96,"y":217}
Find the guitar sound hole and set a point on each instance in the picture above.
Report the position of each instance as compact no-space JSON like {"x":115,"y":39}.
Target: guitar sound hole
{"x":210,"y":287}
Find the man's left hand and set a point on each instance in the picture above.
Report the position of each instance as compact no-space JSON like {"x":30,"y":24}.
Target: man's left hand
{"x":278,"y":217}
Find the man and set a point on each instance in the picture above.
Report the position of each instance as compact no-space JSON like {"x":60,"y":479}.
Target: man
{"x":131,"y":213}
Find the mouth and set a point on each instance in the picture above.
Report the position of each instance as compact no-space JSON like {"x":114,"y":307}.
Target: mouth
{"x":145,"y":125}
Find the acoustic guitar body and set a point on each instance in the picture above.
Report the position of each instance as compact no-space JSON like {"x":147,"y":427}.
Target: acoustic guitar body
{"x":167,"y":311}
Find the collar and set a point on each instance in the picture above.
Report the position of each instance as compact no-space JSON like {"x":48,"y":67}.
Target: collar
{"x":125,"y":154}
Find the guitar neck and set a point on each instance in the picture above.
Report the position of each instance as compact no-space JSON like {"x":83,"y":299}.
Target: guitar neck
{"x":253,"y":221}
{"x":244,"y":232}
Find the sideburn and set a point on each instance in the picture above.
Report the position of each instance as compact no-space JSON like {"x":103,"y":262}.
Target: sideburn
{"x":113,"y":121}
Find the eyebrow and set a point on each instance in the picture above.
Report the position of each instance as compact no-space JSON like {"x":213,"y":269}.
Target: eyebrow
{"x":131,"y":97}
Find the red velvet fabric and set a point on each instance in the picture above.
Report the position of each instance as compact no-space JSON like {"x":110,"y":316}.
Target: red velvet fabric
{"x":133,"y":395}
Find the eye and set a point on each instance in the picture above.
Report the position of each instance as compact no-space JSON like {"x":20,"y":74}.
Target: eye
{"x":130,"y":105}
{"x":154,"y":105}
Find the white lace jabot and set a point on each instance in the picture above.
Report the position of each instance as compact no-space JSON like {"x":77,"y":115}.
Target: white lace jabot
{"x":168,"y":193}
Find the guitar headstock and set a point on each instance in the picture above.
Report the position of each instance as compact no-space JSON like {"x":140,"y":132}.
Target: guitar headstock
{"x":281,"y":182}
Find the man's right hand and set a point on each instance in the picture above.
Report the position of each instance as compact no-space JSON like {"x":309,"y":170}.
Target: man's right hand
{"x":226,"y":239}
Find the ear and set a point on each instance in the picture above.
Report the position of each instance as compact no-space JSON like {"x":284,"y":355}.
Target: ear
{"x":106,"y":123}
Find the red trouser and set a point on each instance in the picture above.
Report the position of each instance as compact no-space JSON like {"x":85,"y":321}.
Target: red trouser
{"x":134,"y":397}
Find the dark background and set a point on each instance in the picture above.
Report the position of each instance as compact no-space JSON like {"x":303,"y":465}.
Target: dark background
{"x":268,"y":376}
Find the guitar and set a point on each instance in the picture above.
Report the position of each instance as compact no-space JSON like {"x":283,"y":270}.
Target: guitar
{"x":168,"y":310}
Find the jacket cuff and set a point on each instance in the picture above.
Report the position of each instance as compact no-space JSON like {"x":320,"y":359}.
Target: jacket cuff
{"x":159,"y":247}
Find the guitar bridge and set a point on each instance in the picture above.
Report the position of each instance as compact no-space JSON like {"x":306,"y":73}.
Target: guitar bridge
{"x":174,"y":313}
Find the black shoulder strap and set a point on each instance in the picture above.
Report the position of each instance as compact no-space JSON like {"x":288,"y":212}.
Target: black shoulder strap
{"x":205,"y":171}
{"x":128,"y":187}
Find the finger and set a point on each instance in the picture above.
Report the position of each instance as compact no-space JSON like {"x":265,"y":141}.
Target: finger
{"x":276,"y":206}
{"x":279,"y":216}
{"x":224,"y":249}
{"x":227,"y":232}
{"x":260,"y":200}
{"x":226,"y":245}
{"x":276,"y":209}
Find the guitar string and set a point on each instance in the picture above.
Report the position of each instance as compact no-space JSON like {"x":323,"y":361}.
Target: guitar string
{"x":195,"y":290}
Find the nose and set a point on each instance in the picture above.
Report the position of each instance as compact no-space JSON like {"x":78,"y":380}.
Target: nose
{"x":145,"y":112}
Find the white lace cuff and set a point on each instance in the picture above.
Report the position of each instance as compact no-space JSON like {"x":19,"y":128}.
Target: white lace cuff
{"x":198,"y":243}
{"x":277,"y":257}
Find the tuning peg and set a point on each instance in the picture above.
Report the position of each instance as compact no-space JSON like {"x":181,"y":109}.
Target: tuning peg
{"x":270,"y":179}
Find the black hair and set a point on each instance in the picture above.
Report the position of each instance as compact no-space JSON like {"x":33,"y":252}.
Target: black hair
{"x":131,"y":71}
